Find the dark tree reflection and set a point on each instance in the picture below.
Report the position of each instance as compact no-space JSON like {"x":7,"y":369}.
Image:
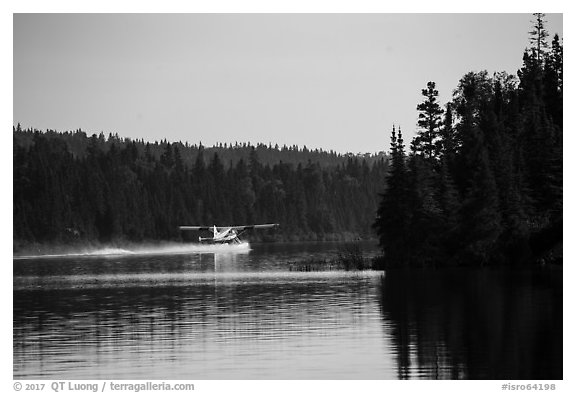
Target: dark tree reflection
{"x":475,"y":324}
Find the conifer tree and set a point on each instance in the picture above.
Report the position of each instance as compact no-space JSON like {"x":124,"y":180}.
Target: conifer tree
{"x":538,"y":36}
{"x":393,"y":216}
{"x":553,"y":82}
{"x":429,"y":121}
{"x":556,"y":60}
{"x":447,"y":141}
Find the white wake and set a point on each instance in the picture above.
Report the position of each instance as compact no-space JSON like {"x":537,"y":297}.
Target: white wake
{"x":164,"y":249}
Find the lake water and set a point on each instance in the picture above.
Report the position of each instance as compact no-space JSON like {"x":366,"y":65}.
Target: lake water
{"x":178,"y":313}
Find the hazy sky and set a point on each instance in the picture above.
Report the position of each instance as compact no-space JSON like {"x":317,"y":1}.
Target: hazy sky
{"x":330,"y":81}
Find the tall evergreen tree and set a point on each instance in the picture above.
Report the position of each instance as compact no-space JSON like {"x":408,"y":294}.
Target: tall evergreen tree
{"x":538,"y":36}
{"x":447,"y":141}
{"x":394,"y":215}
{"x":429,"y":121}
{"x":553,"y":82}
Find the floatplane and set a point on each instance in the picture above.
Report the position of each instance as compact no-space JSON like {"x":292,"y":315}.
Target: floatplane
{"x":225,"y":235}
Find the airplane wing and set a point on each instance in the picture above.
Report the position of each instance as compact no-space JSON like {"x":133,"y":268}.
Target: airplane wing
{"x":259,"y":226}
{"x":237,"y":228}
{"x":195,"y":228}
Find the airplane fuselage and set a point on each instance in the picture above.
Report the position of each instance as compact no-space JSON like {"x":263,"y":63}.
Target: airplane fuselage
{"x":225,"y":235}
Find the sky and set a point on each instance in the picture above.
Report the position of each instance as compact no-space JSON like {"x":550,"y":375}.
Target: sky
{"x":329,"y":81}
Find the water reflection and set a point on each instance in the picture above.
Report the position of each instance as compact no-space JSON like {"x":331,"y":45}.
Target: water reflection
{"x":222,"y":322}
{"x":246,"y":316}
{"x":475,"y":324}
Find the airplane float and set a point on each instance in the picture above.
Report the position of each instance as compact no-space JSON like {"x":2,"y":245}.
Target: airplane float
{"x":225,"y":235}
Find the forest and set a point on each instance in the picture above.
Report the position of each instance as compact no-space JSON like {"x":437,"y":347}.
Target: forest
{"x":71,"y":188}
{"x":481,"y":182}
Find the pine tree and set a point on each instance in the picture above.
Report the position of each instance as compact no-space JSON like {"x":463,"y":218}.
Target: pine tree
{"x":447,"y":142}
{"x":393,"y":216}
{"x":556,"y":61}
{"x":540,"y":104}
{"x":430,"y":121}
{"x":553,"y":82}
{"x":538,"y":37}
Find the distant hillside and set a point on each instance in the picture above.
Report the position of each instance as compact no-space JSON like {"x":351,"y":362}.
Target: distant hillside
{"x":71,"y":187}
{"x":78,"y":141}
